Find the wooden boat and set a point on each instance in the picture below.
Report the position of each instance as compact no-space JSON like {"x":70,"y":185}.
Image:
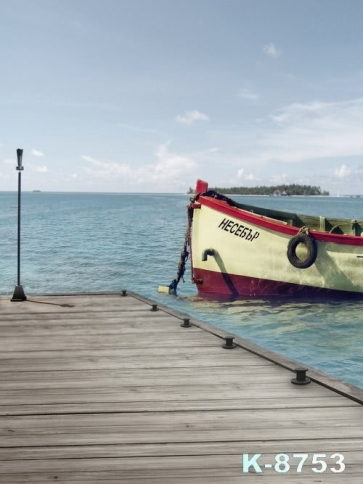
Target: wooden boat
{"x":243,"y":250}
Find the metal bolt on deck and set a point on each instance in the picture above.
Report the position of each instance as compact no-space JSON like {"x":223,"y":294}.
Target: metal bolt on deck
{"x":186,"y":323}
{"x":229,"y":345}
{"x":301,"y":378}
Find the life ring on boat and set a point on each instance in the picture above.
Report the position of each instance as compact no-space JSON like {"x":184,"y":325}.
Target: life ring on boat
{"x":312,"y":250}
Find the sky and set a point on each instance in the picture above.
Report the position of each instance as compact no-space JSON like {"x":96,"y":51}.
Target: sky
{"x":149,"y":95}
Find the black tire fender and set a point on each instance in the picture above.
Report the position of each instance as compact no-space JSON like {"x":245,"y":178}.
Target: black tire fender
{"x":310,"y":244}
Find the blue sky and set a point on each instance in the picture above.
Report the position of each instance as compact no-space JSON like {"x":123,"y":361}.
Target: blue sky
{"x":148,"y":95}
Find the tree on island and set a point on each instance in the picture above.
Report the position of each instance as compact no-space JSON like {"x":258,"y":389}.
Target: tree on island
{"x":291,"y":189}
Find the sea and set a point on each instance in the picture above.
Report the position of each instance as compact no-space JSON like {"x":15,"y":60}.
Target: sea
{"x":85,"y":242}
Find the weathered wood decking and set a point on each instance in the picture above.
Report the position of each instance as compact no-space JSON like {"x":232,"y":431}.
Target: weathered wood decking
{"x":99,"y":389}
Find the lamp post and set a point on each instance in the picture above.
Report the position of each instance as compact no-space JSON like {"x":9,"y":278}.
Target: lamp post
{"x":19,"y":291}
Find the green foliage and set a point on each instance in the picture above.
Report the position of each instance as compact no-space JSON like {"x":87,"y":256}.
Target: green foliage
{"x":292,"y":189}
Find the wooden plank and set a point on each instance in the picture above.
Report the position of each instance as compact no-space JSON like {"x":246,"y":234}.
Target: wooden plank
{"x":69,"y":361}
{"x":119,"y":435}
{"x":105,"y":331}
{"x":112,"y":403}
{"x":108,"y":364}
{"x":134,"y":394}
{"x":138,"y":379}
{"x":190,"y":465}
{"x":43,"y":304}
{"x":329,"y":446}
{"x":98,"y":327}
{"x":176,"y":466}
{"x":86,"y":342}
{"x":46,"y":431}
{"x":209,"y":477}
{"x":84,"y":318}
{"x":104,"y":477}
{"x":232,"y":373}
{"x":131,"y":352}
{"x":266,"y":418}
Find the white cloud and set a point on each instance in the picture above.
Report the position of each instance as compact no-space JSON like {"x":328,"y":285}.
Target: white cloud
{"x":33,"y":168}
{"x":170,"y":170}
{"x":298,"y":112}
{"x":271,"y":50}
{"x":88,"y":158}
{"x":309,"y":141}
{"x":106,"y":169}
{"x":245,"y":176}
{"x":38,"y":168}
{"x":137,"y":129}
{"x":313,"y":130}
{"x":37,"y":152}
{"x":342,"y":172}
{"x":191,"y":116}
{"x":279,"y":179}
{"x":248,"y":95}
{"x":169,"y":165}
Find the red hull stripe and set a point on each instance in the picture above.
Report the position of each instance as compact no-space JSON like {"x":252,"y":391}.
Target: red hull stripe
{"x":233,"y":285}
{"x":269,"y":224}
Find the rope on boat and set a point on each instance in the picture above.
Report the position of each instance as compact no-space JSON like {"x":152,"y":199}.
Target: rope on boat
{"x":304,"y":230}
{"x":184,"y":253}
{"x":181,"y":269}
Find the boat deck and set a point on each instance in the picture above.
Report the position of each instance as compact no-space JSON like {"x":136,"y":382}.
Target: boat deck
{"x":101,"y":389}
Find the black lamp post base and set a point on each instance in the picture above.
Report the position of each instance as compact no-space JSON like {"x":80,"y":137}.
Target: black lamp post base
{"x":19,"y":294}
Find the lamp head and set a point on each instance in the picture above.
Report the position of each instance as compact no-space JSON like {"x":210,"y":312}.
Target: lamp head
{"x":19,"y":153}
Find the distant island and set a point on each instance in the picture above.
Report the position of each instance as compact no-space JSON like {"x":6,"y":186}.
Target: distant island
{"x":281,"y":190}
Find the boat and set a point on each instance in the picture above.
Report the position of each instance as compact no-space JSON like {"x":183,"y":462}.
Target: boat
{"x":241,"y":250}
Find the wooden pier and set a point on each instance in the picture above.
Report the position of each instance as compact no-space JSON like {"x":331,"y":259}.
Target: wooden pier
{"x":104,"y":389}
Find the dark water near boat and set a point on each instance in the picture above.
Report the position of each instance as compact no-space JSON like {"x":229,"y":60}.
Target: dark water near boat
{"x":108,"y":242}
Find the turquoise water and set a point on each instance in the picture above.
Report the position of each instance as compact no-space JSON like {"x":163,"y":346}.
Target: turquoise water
{"x":108,"y":242}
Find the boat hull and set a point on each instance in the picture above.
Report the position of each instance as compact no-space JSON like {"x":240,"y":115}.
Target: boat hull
{"x":237,"y":253}
{"x":232,"y":285}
